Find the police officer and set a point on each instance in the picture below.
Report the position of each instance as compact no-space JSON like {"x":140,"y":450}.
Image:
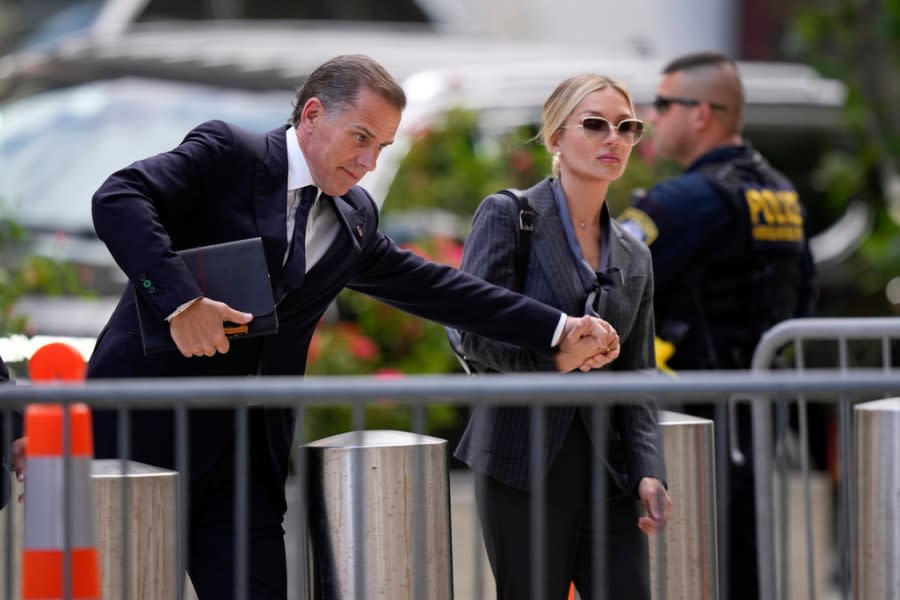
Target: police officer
{"x":730,"y":257}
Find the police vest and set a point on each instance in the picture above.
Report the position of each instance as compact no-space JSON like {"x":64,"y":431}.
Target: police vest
{"x":753,"y":284}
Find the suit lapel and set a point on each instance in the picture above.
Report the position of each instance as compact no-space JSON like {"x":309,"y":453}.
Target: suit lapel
{"x":270,"y":199}
{"x":619,"y":256}
{"x":611,"y":240}
{"x":352,"y":221}
{"x":552,"y":248}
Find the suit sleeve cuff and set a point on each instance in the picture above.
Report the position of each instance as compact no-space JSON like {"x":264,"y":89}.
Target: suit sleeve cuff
{"x":182,"y":308}
{"x":560,"y":327}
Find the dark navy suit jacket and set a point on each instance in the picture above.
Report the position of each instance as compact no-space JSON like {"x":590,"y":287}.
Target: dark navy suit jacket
{"x":497,"y":439}
{"x":222,"y":184}
{"x":4,"y":473}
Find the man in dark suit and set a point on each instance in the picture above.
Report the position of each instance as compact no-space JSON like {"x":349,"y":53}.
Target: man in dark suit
{"x":296,"y":188}
{"x":4,"y":473}
{"x":16,"y":441}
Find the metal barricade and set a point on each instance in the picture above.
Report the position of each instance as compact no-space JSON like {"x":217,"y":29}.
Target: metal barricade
{"x":800,"y":332}
{"x":538,"y":390}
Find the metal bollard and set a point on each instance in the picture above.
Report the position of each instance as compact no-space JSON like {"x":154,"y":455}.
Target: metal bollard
{"x":150,"y":569}
{"x":12,"y":520}
{"x":145,"y":568}
{"x":877,"y":488}
{"x":379,"y":515}
{"x":683,"y":562}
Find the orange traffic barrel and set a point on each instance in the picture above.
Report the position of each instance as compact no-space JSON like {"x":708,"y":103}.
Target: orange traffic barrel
{"x":44,"y":553}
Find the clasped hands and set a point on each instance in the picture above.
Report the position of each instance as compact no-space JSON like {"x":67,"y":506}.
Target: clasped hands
{"x":587,"y":343}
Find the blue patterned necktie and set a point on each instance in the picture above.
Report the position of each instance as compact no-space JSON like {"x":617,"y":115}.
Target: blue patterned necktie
{"x":295,"y":267}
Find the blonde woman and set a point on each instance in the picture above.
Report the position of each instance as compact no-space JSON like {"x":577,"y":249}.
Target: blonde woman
{"x":581,"y":262}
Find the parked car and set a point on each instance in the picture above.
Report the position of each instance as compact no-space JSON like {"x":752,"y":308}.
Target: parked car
{"x":56,"y":147}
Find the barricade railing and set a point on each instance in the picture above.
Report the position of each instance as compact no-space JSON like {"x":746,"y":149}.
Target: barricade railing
{"x":797,"y":334}
{"x":536,"y":390}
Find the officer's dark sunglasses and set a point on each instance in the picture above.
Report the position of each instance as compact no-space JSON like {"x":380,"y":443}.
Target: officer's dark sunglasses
{"x":662,"y":103}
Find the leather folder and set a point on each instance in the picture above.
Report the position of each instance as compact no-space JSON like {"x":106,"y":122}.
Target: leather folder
{"x":234,"y":273}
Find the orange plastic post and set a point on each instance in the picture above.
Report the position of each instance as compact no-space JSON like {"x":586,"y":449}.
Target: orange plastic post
{"x":57,"y":362}
{"x":44,"y":552}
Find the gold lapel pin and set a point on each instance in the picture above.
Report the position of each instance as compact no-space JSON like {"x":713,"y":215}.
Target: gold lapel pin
{"x":359,"y":230}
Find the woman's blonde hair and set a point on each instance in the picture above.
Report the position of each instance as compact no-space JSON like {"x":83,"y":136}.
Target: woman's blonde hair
{"x":565,"y":98}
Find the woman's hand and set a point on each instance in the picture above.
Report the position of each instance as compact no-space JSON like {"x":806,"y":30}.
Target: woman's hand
{"x":657,"y":505}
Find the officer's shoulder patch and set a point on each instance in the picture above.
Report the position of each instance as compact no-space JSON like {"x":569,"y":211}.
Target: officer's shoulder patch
{"x":639,"y":224}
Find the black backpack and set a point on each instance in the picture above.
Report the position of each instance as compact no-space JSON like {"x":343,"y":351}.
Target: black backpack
{"x":523,"y":248}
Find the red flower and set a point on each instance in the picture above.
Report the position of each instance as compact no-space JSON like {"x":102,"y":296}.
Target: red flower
{"x":449,"y":251}
{"x":647,"y":151}
{"x":388,"y":373}
{"x":362,"y":347}
{"x":521,"y":161}
{"x":413,"y":328}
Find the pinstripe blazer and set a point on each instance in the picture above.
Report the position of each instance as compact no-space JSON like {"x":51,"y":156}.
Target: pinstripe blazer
{"x":496,"y":440}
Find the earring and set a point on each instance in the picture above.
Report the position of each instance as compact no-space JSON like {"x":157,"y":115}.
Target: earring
{"x":557,"y":154}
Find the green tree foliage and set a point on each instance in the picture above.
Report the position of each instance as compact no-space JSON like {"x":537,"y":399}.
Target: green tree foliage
{"x":453,"y":165}
{"x":20,"y":275}
{"x":858,"y":42}
{"x":11,"y":282}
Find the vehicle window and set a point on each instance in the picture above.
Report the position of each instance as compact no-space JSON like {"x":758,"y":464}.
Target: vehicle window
{"x":58,"y":146}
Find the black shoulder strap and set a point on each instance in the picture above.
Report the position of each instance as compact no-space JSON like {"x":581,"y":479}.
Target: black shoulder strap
{"x":523,"y":248}
{"x":526,"y":226}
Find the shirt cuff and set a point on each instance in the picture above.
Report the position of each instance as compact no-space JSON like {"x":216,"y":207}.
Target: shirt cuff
{"x":560,"y":327}
{"x":188,"y":304}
